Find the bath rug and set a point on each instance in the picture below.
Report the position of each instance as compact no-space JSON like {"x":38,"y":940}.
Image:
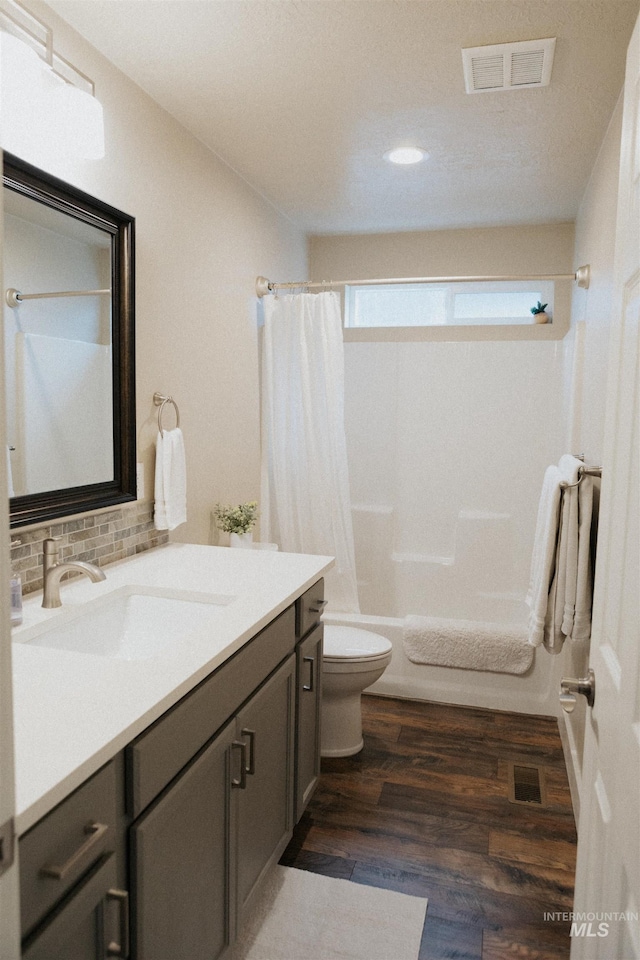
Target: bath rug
{"x":467,"y":644}
{"x":305,"y":916}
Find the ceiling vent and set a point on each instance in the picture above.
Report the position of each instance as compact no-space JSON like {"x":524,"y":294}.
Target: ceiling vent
{"x":508,"y":66}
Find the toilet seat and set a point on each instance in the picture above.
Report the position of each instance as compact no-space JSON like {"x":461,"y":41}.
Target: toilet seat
{"x":353,"y":645}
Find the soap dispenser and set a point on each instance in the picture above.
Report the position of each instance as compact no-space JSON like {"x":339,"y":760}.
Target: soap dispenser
{"x":16,"y":599}
{"x":16,"y":592}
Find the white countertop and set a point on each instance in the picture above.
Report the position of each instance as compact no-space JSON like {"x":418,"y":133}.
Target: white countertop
{"x":74,"y":711}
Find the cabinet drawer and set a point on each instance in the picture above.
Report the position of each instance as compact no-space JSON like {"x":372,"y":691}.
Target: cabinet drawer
{"x":80,"y":927}
{"x":158,"y":755}
{"x":309,"y":608}
{"x":65,"y":844}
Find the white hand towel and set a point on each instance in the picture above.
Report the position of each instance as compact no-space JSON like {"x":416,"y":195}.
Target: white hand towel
{"x":9,"y":475}
{"x":562,"y":593}
{"x":170,"y":480}
{"x":579,"y":628}
{"x":544,"y":552}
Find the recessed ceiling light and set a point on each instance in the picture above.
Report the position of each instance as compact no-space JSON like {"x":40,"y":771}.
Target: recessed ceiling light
{"x":406,"y":155}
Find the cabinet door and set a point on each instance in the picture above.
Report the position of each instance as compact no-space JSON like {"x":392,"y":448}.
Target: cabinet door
{"x":265,"y":806}
{"x":84,"y":926}
{"x":180,"y":862}
{"x":308,"y":706}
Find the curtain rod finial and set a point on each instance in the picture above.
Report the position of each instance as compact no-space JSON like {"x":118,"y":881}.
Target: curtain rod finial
{"x":12,"y":297}
{"x":263,"y":286}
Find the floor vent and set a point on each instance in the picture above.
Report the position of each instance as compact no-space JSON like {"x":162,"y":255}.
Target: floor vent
{"x":526,"y":784}
{"x":508,"y":66}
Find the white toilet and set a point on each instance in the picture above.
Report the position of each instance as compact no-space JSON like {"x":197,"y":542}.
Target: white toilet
{"x":353,"y":659}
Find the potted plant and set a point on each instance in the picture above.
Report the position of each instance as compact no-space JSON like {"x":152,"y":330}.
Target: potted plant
{"x":238,"y":521}
{"x":539,"y":314}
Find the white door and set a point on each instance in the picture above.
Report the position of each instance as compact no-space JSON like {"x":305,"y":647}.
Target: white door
{"x":607,"y":902}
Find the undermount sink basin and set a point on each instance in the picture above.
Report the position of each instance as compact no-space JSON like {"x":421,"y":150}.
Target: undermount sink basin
{"x":131,"y":625}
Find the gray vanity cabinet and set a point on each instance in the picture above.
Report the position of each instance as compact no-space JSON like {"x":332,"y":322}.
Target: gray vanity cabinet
{"x":189,"y":817}
{"x":180,"y":862}
{"x":78,"y":929}
{"x":265,"y":800}
{"x":309,"y":631}
{"x":199,"y":852}
{"x":74,"y":902}
{"x":210,"y":795}
{"x":308,"y":706}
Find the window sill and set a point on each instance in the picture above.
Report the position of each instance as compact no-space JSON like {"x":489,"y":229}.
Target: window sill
{"x":525,"y":331}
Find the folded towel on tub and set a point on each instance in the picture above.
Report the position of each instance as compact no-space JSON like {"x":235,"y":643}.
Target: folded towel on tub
{"x":468,"y":644}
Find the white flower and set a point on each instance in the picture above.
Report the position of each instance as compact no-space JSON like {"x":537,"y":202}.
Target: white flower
{"x":238,"y":519}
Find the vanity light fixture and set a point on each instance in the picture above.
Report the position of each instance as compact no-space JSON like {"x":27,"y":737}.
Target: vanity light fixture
{"x":47,"y":103}
{"x":405,"y":156}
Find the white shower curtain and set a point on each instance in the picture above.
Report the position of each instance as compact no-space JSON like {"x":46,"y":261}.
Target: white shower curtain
{"x":306,"y":505}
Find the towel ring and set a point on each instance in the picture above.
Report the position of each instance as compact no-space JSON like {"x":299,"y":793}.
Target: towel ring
{"x":161,"y":401}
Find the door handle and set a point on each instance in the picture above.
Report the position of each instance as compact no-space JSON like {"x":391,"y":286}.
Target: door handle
{"x":317,"y":606}
{"x":586,"y":686}
{"x":120,"y":949}
{"x":241,"y":782}
{"x":96,"y":832}
{"x":251,"y":766}
{"x":311,"y":661}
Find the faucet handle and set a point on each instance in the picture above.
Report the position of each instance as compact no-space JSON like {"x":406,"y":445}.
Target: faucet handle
{"x":50,"y":552}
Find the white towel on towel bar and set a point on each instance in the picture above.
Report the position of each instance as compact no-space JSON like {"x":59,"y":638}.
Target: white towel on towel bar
{"x":467,"y":644}
{"x":170,"y":480}
{"x":580,"y":627}
{"x":572,"y":592}
{"x":560,"y":589}
{"x":544,"y":552}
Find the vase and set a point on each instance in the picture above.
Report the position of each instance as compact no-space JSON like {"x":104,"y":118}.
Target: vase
{"x":541,"y":317}
{"x":241,"y":539}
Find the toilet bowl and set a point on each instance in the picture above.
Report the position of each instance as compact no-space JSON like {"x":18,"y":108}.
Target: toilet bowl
{"x":352,"y":660}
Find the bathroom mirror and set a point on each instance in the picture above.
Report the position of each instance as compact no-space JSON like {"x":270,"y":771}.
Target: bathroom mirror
{"x":68,"y":265}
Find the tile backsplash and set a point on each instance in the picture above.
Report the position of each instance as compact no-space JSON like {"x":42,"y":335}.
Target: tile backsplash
{"x":100,"y":538}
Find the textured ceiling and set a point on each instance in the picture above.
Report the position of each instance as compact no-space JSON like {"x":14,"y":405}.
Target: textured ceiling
{"x":303,"y":98}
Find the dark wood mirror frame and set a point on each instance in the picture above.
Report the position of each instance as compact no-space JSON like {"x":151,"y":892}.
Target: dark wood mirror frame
{"x":52,"y":504}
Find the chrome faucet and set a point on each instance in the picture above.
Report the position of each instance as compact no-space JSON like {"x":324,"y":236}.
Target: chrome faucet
{"x":54,"y":570}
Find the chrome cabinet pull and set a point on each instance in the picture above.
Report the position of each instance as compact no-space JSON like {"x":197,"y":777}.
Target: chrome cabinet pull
{"x":96,"y":832}
{"x":317,"y":606}
{"x":120,"y":949}
{"x":251,"y":766}
{"x":241,"y":782}
{"x":311,"y":661}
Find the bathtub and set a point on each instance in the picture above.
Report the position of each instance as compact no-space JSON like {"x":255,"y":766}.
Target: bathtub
{"x":535,"y":692}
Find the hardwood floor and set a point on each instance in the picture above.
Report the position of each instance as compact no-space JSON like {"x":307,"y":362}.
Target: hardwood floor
{"x":424,"y":809}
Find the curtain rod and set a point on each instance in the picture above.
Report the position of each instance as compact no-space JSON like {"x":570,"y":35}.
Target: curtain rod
{"x":264,"y":286}
{"x":14,"y":297}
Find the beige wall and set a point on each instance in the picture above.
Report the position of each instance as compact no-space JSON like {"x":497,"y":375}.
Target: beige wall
{"x":475,"y":251}
{"x":535,"y":249}
{"x":587,"y":348}
{"x":202,"y":236}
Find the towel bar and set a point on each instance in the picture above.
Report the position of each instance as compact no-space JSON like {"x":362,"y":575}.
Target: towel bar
{"x":161,"y":401}
{"x":582,"y":472}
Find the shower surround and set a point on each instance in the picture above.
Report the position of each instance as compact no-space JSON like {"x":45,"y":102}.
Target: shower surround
{"x":447,"y":444}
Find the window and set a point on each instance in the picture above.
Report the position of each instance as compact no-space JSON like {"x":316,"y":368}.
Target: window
{"x":486,"y":303}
